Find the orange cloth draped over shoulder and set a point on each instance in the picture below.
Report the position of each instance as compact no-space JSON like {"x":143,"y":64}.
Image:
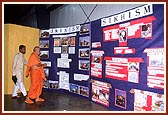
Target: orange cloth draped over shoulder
{"x":36,"y":76}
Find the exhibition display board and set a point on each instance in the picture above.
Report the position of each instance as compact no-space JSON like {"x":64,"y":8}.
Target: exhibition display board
{"x":115,"y":61}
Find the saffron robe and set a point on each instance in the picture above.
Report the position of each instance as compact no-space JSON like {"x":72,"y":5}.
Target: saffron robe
{"x":36,"y":76}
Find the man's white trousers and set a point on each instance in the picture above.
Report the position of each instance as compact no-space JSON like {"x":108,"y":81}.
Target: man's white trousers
{"x":18,"y":86}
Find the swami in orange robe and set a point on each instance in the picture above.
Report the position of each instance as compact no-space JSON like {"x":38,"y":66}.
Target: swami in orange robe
{"x":36,"y":72}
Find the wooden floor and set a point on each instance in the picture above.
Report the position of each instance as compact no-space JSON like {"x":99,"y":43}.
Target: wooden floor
{"x":53,"y":102}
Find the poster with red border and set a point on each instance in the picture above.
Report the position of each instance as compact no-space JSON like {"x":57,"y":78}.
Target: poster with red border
{"x":155,"y":67}
{"x":120,"y":68}
{"x":100,"y":92}
{"x":148,"y":101}
{"x":120,"y":98}
{"x":96,"y":63}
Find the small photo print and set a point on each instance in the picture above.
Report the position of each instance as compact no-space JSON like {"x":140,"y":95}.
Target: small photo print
{"x":72,"y":41}
{"x":133,"y":66}
{"x":120,"y":98}
{"x":44,"y":34}
{"x":44,"y":43}
{"x":84,"y":53}
{"x":44,"y":54}
{"x":146,"y":30}
{"x":57,"y":41}
{"x":53,"y":84}
{"x":65,"y":41}
{"x":96,"y":59}
{"x":45,"y":84}
{"x":84,"y":91}
{"x":84,"y":41}
{"x":85,"y":29}
{"x":84,"y":64}
{"x":74,"y":88}
{"x":122,"y":36}
{"x":156,"y":60}
{"x":64,"y":49}
{"x":46,"y":72}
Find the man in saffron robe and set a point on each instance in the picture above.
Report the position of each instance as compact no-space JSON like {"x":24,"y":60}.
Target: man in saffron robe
{"x":36,"y":72}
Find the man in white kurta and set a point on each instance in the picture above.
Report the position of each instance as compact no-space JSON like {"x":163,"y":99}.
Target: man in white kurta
{"x":18,"y":70}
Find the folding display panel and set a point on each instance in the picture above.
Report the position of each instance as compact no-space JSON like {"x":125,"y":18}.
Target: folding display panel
{"x":113,"y":61}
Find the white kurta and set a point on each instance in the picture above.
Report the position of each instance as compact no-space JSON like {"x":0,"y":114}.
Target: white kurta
{"x":18,"y":67}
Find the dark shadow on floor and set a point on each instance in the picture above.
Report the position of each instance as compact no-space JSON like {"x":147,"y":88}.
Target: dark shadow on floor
{"x":54,"y":102}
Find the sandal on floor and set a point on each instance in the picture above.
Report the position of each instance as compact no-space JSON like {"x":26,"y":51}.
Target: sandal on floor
{"x":28,"y":101}
{"x":40,"y":99}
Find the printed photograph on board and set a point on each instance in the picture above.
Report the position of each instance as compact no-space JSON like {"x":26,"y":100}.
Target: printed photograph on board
{"x":146,"y":30}
{"x":44,"y":44}
{"x":100,"y":93}
{"x":156,"y":60}
{"x":85,"y":28}
{"x":74,"y":88}
{"x":84,"y":91}
{"x":122,"y":36}
{"x":72,"y":41}
{"x":84,"y":64}
{"x":53,"y":84}
{"x":96,"y":59}
{"x":120,"y":98}
{"x":44,"y":34}
{"x":57,"y":41}
{"x":65,"y":41}
{"x":84,"y":53}
{"x":44,"y":54}
{"x":84,"y":41}
{"x":133,"y":66}
{"x":45,"y":84}
{"x":64,"y":49}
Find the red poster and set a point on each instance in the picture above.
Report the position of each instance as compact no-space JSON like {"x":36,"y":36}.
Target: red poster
{"x":126,"y":69}
{"x":96,"y":63}
{"x":100,"y":92}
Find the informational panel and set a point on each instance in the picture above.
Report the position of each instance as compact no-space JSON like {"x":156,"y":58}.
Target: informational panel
{"x":127,"y":51}
{"x":66,"y":51}
{"x":115,"y":61}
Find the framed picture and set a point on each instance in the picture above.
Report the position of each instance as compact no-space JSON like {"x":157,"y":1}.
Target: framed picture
{"x":84,"y":91}
{"x":44,"y":44}
{"x":84,"y":53}
{"x":65,"y":41}
{"x":146,"y":30}
{"x":53,"y":84}
{"x":85,"y":28}
{"x":74,"y":88}
{"x":45,"y":84}
{"x":64,"y":49}
{"x":84,"y":64}
{"x":44,"y":34}
{"x":44,"y":54}
{"x":120,"y":98}
{"x":72,"y":41}
{"x":57,"y":41}
{"x":122,"y":35}
{"x":84,"y":41}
